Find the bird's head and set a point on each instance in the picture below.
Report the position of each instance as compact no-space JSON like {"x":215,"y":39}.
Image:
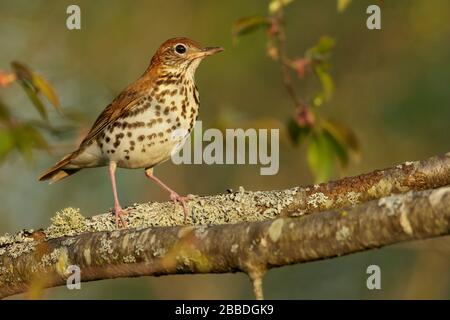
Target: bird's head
{"x":182,"y":54}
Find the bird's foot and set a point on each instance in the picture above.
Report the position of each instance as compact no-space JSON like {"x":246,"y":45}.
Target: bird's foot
{"x":176,"y":198}
{"x":119,"y":213}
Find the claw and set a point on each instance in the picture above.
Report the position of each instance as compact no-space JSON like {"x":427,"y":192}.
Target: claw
{"x":119,"y":212}
{"x":175,"y":197}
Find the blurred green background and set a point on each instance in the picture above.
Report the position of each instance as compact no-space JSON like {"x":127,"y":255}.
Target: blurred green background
{"x":392,"y":88}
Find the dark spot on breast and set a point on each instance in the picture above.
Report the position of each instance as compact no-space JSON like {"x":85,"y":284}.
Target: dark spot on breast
{"x":107,"y":139}
{"x":160,"y":134}
{"x":166,"y":111}
{"x":127,"y":157}
{"x":129,"y":134}
{"x":141,"y":137}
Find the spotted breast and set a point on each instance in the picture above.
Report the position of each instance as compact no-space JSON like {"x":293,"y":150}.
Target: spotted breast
{"x":155,"y":127}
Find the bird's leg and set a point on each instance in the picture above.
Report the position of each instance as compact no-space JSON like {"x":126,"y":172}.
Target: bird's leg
{"x":174,"y":196}
{"x":118,"y":211}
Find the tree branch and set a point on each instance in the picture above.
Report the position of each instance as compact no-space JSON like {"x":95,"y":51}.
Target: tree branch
{"x":251,"y":243}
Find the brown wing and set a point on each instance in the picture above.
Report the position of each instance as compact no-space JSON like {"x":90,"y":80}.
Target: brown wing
{"x":120,"y":106}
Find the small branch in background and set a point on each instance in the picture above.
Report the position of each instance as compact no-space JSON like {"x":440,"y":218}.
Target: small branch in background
{"x":277,"y":35}
{"x":236,"y":232}
{"x":329,"y":143}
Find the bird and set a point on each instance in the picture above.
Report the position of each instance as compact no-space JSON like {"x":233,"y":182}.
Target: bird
{"x":146,"y":123}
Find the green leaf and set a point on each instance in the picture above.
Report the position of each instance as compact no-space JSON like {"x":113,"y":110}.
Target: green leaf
{"x":47,"y":90}
{"x":5,"y":115}
{"x":327,"y":82}
{"x":25,"y":78}
{"x":339,"y":149}
{"x":320,"y":156}
{"x":6,"y":143}
{"x":35,"y":100}
{"x":297,"y":133}
{"x":342,"y":5}
{"x":343,"y":134}
{"x":249,"y":24}
{"x":22,"y":72}
{"x":322,"y":49}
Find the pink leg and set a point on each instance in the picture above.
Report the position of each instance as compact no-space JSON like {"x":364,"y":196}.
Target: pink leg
{"x":175,"y":197}
{"x":117,"y":208}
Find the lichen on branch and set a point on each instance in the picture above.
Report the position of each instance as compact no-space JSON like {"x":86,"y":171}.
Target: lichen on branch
{"x":239,"y":231}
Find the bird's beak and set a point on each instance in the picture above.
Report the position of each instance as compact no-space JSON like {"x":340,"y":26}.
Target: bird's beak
{"x":208,"y":51}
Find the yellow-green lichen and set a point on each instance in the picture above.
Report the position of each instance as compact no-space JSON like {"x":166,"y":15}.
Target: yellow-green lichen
{"x":67,"y":222}
{"x":317,"y":200}
{"x":129,"y":259}
{"x":380,"y":189}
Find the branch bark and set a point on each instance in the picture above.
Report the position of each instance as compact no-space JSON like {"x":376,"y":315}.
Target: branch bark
{"x":348,"y":219}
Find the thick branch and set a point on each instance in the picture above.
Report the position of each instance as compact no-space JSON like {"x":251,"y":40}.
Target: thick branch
{"x":249,"y":247}
{"x":243,"y":244}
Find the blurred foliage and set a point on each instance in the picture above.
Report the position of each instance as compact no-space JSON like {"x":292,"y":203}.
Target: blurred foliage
{"x":26,"y":136}
{"x":342,"y":5}
{"x":328,"y":142}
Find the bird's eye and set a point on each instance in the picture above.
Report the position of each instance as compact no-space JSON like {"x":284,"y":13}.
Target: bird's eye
{"x":180,"y":48}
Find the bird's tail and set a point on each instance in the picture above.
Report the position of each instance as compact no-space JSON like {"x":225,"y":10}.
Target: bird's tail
{"x":59,"y":170}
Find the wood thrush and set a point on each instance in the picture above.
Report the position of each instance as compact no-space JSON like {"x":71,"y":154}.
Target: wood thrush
{"x":146,"y":122}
